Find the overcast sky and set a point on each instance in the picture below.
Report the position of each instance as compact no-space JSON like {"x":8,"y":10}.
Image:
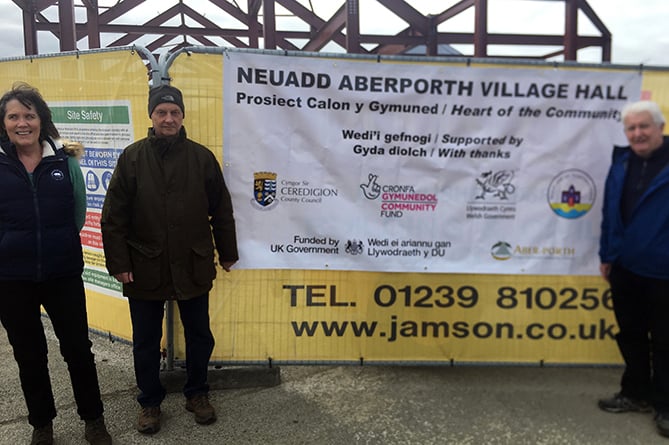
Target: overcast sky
{"x":639,"y":33}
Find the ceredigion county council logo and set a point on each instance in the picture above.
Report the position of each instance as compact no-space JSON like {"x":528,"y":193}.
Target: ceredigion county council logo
{"x":264,"y":190}
{"x":571,"y":194}
{"x":501,"y":251}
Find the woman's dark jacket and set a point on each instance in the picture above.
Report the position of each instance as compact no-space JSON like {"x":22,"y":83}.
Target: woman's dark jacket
{"x":39,"y":238}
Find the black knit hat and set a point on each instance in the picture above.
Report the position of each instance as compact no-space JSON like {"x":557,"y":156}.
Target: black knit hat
{"x":165,"y":94}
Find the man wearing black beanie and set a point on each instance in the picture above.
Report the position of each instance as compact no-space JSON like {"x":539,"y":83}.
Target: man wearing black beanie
{"x":166,"y":198}
{"x":165,"y":94}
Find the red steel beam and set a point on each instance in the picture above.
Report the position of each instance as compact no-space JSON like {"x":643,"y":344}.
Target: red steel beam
{"x":353,"y":27}
{"x":68,"y":41}
{"x":269,"y":24}
{"x":480,"y":28}
{"x":571,"y":29}
{"x":329,"y":32}
{"x":93,"y":23}
{"x":408,"y":13}
{"x":343,"y":28}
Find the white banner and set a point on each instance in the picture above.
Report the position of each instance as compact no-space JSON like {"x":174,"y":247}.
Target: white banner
{"x":357,"y":165}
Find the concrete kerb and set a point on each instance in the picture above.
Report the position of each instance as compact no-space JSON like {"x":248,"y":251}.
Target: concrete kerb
{"x":220,"y":378}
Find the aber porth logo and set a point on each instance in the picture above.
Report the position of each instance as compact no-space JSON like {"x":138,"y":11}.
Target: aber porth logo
{"x":501,"y":251}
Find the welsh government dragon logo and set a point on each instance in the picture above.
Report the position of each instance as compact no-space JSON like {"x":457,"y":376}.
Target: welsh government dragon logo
{"x":497,"y":184}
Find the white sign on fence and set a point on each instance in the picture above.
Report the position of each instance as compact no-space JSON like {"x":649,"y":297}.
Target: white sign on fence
{"x":357,"y":165}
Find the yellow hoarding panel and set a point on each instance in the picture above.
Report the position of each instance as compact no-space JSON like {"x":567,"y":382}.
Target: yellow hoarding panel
{"x":363,"y":317}
{"x":298,"y":316}
{"x":656,"y":88}
{"x":199,"y":77}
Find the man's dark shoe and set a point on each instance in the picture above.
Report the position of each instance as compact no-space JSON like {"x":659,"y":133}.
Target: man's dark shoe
{"x":96,"y":432}
{"x":622,"y":404}
{"x":148,"y":421}
{"x":200,"y":406}
{"x":662,"y":423}
{"x":43,"y":435}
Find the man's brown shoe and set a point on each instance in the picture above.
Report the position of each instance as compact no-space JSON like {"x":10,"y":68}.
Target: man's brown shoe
{"x":148,"y":421}
{"x":200,"y":406}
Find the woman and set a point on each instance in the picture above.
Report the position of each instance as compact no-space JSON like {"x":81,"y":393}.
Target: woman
{"x":42,"y":210}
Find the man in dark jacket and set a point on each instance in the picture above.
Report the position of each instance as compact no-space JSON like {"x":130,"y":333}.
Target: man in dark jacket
{"x":166,"y":198}
{"x":634,"y":253}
